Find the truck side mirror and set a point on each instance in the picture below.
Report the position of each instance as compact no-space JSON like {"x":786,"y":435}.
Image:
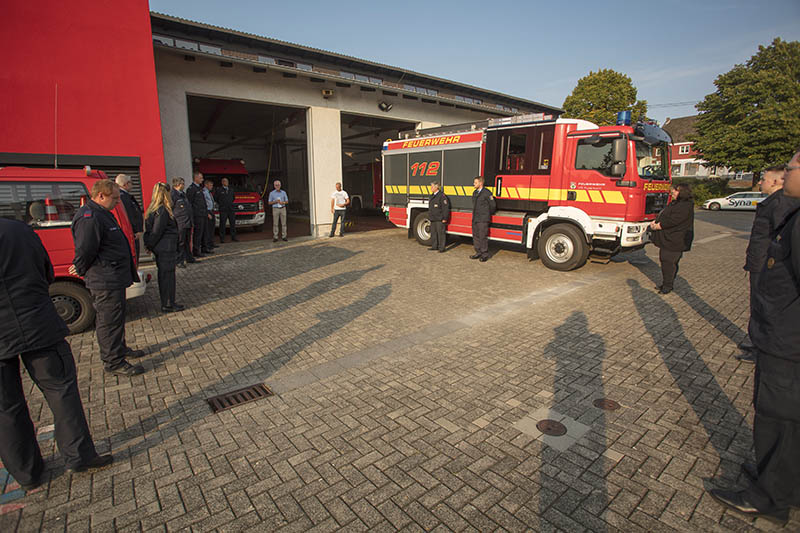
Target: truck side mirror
{"x":620,"y":150}
{"x":618,"y":170}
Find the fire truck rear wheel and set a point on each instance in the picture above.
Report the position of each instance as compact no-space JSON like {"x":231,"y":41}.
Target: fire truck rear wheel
{"x":562,"y":247}
{"x":422,"y":229}
{"x":73,"y":304}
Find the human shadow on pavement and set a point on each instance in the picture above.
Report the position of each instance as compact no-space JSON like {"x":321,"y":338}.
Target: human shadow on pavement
{"x":652,"y":270}
{"x":179,"y":345}
{"x":577,"y":382}
{"x":724,"y":425}
{"x":184,"y":413}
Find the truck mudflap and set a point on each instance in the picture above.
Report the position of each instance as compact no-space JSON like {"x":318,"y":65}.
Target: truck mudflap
{"x":398,"y":216}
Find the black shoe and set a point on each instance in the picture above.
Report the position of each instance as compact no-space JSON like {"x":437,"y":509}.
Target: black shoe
{"x":221,"y":241}
{"x":285,"y":239}
{"x":484,"y":259}
{"x":658,"y":288}
{"x":181,"y":265}
{"x":275,"y":239}
{"x":208,"y":252}
{"x":214,"y":246}
{"x":746,"y":345}
{"x":432,"y":249}
{"x":331,"y":235}
{"x":127,"y":369}
{"x":475,"y":256}
{"x":750,"y":470}
{"x":747,"y":357}
{"x":201,"y":254}
{"x":738,"y":502}
{"x":178,"y":307}
{"x":35,"y":484}
{"x":135,"y":354}
{"x":98,"y":462}
{"x":441,"y":251}
{"x":235,"y":239}
{"x":664,"y":291}
{"x":167,"y":309}
{"x":341,"y":235}
{"x":191,"y":260}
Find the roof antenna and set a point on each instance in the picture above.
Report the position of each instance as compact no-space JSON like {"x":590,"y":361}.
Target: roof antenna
{"x":55,"y":131}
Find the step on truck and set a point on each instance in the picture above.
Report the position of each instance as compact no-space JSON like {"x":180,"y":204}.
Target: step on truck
{"x":564,"y":188}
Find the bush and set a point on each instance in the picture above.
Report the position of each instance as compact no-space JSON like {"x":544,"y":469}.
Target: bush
{"x":706,"y":189}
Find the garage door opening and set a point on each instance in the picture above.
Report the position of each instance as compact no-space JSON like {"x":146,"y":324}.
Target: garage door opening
{"x":362,"y":141}
{"x":252,"y":145}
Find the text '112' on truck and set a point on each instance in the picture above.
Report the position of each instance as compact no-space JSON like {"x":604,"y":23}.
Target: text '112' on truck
{"x":564,"y":188}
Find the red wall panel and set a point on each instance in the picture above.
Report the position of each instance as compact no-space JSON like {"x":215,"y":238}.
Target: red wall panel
{"x":100,"y":54}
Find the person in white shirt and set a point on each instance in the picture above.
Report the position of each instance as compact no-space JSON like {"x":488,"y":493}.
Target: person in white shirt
{"x":339,"y":202}
{"x":278,"y":200}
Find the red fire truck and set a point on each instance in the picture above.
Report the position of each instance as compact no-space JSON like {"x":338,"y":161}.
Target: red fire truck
{"x":248,"y":207}
{"x":563,"y":187}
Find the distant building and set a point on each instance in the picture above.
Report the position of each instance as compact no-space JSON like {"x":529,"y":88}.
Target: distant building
{"x":686,"y":162}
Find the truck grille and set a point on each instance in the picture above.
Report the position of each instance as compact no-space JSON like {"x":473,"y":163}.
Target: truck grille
{"x":248,"y":207}
{"x":655,"y":202}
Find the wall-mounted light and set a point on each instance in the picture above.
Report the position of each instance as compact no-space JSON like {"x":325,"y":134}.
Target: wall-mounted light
{"x":327,"y":93}
{"x":385,"y":107}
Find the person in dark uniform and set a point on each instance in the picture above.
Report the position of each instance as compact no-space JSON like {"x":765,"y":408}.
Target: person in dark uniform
{"x":769,"y":214}
{"x":194,"y":193}
{"x":673,"y":232}
{"x":483,"y":207}
{"x":211,"y":223}
{"x":438,"y":214}
{"x":183,"y":217}
{"x":225,"y":197}
{"x":33,"y":332}
{"x":132,"y":209}
{"x":103,"y":258}
{"x":161,"y":238}
{"x":774,"y":330}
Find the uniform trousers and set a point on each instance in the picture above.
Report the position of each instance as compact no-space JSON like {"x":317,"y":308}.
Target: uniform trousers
{"x":208,"y":240}
{"x":438,"y":235}
{"x":278,"y":215}
{"x":184,"y":245}
{"x":52,"y":369}
{"x":480,"y":238}
{"x":669,"y":267}
{"x":199,"y":234}
{"x":110,"y":326}
{"x":166,"y":262}
{"x":225,"y":218}
{"x":776,"y":434}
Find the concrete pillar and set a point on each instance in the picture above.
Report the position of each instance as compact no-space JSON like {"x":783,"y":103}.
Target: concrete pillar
{"x":324,"y":132}
{"x":175,"y":132}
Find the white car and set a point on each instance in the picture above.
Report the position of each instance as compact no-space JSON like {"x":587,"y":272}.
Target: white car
{"x":739,"y":200}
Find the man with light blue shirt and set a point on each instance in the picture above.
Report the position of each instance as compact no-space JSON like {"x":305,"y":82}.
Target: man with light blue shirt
{"x":208,"y":238}
{"x":278,"y":200}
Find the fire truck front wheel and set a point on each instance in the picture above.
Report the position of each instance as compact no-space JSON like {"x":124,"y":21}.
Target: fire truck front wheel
{"x":422,"y":229}
{"x":73,"y":304}
{"x":562,"y":247}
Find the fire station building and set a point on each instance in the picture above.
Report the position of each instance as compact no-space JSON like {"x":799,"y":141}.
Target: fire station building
{"x":114,"y":86}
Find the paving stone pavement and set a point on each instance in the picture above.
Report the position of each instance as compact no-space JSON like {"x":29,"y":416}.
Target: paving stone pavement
{"x":408,"y":385}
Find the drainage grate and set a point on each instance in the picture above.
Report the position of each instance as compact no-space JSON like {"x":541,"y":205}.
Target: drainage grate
{"x":606,"y":404}
{"x":551,"y":427}
{"x":238,"y":397}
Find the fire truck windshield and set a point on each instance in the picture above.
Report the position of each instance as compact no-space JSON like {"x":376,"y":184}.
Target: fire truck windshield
{"x":652,"y":160}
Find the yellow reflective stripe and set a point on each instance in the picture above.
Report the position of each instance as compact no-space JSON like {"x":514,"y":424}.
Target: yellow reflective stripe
{"x":414,"y":189}
{"x":582,"y":196}
{"x":596,"y":196}
{"x":461,"y":191}
{"x":389,"y":189}
{"x":539,"y":194}
{"x":514,"y":193}
{"x":614,"y":197}
{"x":449,"y":190}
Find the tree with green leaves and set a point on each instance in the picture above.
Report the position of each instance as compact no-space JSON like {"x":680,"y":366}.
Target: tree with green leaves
{"x":599,"y":96}
{"x":752,"y":120}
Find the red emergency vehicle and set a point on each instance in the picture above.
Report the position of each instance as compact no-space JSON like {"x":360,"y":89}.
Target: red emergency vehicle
{"x":47,"y":200}
{"x":563,"y":187}
{"x":248,"y":205}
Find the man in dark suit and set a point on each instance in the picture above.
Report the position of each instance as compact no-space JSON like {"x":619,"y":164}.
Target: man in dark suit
{"x":194,"y":193}
{"x":33,"y":332}
{"x":183,"y":216}
{"x":438,"y":213}
{"x":483,"y":207}
{"x":225,"y":197}
{"x":132,"y":209}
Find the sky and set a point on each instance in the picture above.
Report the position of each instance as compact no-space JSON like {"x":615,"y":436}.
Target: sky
{"x":671,"y":50}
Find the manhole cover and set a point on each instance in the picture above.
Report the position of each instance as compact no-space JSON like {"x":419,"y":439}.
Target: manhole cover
{"x":606,"y":404}
{"x":238,"y":397}
{"x":551,"y":427}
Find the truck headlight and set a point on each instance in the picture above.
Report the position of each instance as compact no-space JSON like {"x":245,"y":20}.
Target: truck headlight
{"x":260,"y":205}
{"x":634,"y":229}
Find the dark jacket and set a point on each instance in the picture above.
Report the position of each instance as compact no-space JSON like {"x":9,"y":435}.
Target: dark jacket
{"x":483,"y":206}
{"x":770,"y":213}
{"x":102,"y":253}
{"x":194,"y":193}
{"x":677,"y":226}
{"x":161,"y":232}
{"x":133,"y":210}
{"x":439,"y":207}
{"x":28,"y":319}
{"x":775,"y":318}
{"x":181,"y":209}
{"x":225,"y":199}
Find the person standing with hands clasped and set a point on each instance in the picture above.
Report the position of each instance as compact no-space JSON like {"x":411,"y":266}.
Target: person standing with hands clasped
{"x":438,"y":213}
{"x":183,"y":217}
{"x":483,"y":207}
{"x":673,"y":232}
{"x":278,"y":200}
{"x":225,"y":198}
{"x":339,"y":202}
{"x":161,"y":238}
{"x":194,"y":193}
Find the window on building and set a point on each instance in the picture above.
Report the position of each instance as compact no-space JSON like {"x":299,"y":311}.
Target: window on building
{"x":692,"y":168}
{"x":683,"y":150}
{"x":676,"y":170}
{"x":41,"y":204}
